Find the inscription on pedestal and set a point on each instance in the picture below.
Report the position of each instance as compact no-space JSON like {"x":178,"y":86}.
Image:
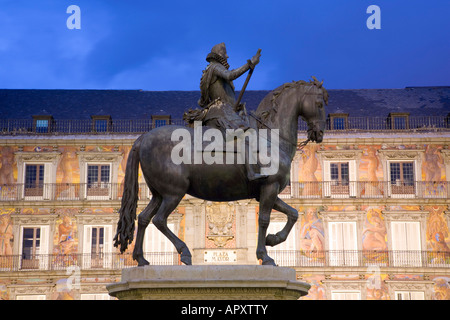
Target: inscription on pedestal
{"x":219,"y":256}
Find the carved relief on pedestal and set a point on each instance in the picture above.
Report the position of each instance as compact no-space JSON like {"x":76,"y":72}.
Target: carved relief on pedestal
{"x":220,"y":217}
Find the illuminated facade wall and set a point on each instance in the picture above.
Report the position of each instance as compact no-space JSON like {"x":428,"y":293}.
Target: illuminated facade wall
{"x":374,"y":218}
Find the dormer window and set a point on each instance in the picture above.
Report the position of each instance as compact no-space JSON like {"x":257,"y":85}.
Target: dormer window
{"x":160,"y":120}
{"x":101,"y":123}
{"x":398,"y":121}
{"x":42,"y":124}
{"x":338,"y":121}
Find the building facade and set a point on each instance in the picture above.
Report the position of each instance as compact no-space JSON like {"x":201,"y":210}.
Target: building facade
{"x":373,"y":202}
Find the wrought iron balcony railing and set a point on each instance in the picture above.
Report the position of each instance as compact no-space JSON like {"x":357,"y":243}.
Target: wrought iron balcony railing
{"x":361,"y":258}
{"x":55,"y":262}
{"x":138,"y":126}
{"x":297,"y":190}
{"x":367,"y":190}
{"x":291,"y":258}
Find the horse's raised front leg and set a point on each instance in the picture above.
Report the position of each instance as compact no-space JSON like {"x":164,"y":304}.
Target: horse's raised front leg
{"x":292,"y":215}
{"x":267,"y":200}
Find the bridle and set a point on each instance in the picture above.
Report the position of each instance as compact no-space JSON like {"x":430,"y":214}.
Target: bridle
{"x":303,"y":143}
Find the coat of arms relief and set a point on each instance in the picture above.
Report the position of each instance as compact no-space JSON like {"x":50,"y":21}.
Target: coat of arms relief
{"x":220,"y":217}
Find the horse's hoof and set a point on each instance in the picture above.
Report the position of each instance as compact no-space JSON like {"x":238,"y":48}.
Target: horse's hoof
{"x":187,"y":260}
{"x":269,"y":262}
{"x":272,"y":240}
{"x":141,"y":261}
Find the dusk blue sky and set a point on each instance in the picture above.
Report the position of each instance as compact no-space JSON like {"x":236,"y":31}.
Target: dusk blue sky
{"x":162,"y":45}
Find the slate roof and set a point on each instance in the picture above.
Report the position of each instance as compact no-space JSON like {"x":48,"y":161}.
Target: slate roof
{"x":139,"y":104}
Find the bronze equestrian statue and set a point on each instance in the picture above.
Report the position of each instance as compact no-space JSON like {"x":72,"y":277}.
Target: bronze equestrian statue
{"x":170,"y":182}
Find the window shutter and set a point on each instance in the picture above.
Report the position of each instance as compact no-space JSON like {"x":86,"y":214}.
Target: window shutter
{"x":156,"y":241}
{"x":350,"y":245}
{"x":398,"y":236}
{"x":44,"y":247}
{"x":338,"y":296}
{"x":352,"y":177}
{"x":406,"y":243}
{"x":346,"y":295}
{"x":48,"y":179}
{"x":417,"y":295}
{"x":353,"y":296}
{"x":107,"y":246}
{"x":87,"y":242}
{"x":335,"y":243}
{"x":413,"y":235}
{"x":342,"y":243}
{"x":333,"y":235}
{"x":326,"y":179}
{"x":413,"y":242}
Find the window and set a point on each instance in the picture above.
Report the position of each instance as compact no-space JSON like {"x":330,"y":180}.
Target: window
{"x":34,"y":247}
{"x":101,"y":123}
{"x":34,"y":180}
{"x":406,"y":244}
{"x":36,"y":174}
{"x":398,"y":121}
{"x":97,"y":246}
{"x":338,"y":121}
{"x":160,"y":123}
{"x":98,"y":178}
{"x":345,"y":295}
{"x":30,"y":247}
{"x":342,"y":243}
{"x":98,"y":173}
{"x":339,"y":176}
{"x":409,"y":295}
{"x":402,"y":177}
{"x":97,"y":243}
{"x":160,"y":120}
{"x":41,"y":126}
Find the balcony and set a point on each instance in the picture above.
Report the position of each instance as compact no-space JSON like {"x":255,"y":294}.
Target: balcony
{"x":139,"y":126}
{"x":289,"y":258}
{"x":361,"y":258}
{"x":367,"y":190}
{"x":296,"y":190}
{"x":58,"y":262}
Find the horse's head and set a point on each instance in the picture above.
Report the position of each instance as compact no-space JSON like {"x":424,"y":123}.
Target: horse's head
{"x":312,"y":109}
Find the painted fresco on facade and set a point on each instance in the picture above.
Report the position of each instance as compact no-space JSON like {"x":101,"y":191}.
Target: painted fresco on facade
{"x":310,"y":171}
{"x":312,"y":235}
{"x":6,"y":232}
{"x":437,"y":236}
{"x":374,"y":237}
{"x":371,"y":170}
{"x":65,"y":239}
{"x":317,"y":290}
{"x":377,"y":288}
{"x":441,"y":288}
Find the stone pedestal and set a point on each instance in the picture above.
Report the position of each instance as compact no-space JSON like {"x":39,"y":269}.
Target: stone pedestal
{"x":208,"y":282}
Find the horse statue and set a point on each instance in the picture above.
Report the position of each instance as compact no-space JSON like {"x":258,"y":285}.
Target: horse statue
{"x":170,"y":182}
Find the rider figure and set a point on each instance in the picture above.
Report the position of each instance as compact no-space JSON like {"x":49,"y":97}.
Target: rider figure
{"x":218,"y":96}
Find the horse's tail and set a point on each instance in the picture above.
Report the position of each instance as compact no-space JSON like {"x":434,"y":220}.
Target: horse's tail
{"x":125,"y":226}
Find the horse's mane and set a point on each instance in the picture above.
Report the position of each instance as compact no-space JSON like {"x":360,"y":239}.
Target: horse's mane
{"x":268,"y":106}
